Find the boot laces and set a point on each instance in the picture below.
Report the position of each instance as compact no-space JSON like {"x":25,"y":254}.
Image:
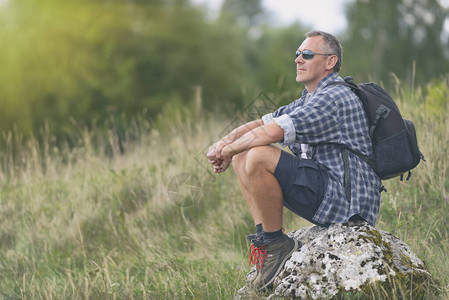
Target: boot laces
{"x":257,"y":256}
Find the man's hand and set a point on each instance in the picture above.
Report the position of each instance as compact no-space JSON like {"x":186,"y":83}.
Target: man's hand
{"x":219,"y":157}
{"x":220,"y":154}
{"x":214,"y":153}
{"x":226,"y":159}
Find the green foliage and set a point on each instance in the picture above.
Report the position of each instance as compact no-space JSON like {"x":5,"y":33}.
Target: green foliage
{"x":96,"y":60}
{"x":405,"y":38}
{"x":437,"y":99}
{"x":247,"y":13}
{"x":275,"y":52}
{"x":85,"y":62}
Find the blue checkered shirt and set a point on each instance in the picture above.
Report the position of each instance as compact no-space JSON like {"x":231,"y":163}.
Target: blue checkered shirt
{"x":333,"y":116}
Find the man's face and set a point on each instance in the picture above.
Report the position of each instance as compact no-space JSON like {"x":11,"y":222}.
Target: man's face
{"x":311,"y":71}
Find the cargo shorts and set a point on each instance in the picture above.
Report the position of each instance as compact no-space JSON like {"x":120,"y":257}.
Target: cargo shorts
{"x":303,"y":183}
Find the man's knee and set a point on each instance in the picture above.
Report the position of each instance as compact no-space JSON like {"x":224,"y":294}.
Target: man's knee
{"x":263,"y":158}
{"x":239,"y":162}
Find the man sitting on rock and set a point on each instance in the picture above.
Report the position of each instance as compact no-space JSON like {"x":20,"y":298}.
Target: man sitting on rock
{"x":322,"y":129}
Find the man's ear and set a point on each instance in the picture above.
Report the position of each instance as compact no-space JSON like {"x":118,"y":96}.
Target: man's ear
{"x":331,"y":62}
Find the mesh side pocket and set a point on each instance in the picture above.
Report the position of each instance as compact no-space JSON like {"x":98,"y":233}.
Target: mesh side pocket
{"x":413,"y":142}
{"x":393,"y":155}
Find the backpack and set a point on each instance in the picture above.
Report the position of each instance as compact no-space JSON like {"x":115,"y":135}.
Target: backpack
{"x":394,"y":142}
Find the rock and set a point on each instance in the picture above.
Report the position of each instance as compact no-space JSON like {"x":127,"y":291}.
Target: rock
{"x":346,"y":259}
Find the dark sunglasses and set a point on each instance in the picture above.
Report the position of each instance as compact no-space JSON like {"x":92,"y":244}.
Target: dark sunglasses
{"x":307,"y":54}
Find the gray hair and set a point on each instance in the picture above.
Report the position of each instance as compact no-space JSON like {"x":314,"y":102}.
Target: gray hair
{"x":331,"y":43}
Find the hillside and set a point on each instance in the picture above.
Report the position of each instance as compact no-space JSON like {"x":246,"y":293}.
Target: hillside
{"x":146,"y":219}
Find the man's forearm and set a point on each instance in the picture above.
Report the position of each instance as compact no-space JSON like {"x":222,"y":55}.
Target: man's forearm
{"x":240,"y":131}
{"x":259,"y":136}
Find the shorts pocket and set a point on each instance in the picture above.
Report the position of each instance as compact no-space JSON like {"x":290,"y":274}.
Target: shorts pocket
{"x":308,"y":181}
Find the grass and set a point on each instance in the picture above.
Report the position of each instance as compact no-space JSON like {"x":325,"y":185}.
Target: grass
{"x":103,"y":219}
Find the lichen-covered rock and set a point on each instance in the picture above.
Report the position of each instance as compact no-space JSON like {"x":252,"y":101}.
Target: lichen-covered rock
{"x":345,"y":259}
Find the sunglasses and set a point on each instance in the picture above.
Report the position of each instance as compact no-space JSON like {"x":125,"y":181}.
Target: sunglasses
{"x":307,"y":54}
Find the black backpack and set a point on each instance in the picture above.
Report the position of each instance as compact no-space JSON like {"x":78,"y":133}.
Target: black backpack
{"x":395,"y":146}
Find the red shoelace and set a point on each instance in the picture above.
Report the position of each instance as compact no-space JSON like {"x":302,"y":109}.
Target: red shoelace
{"x":257,"y":255}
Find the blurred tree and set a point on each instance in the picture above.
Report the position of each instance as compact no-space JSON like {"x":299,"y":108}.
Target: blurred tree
{"x":247,"y":13}
{"x":268,"y":50}
{"x":274,"y":65}
{"x":93,"y":60}
{"x":386,"y":36}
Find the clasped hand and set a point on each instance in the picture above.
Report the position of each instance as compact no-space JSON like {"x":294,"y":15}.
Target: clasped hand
{"x":219,"y":156}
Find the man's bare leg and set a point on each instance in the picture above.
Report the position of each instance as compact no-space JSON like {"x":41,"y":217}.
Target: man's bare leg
{"x":239,"y":164}
{"x":264,"y":193}
{"x":255,"y":169}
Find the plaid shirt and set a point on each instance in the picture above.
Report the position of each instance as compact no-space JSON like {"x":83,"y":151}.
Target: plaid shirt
{"x":332,"y":117}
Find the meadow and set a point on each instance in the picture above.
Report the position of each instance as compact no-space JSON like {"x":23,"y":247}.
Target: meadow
{"x":139,"y":215}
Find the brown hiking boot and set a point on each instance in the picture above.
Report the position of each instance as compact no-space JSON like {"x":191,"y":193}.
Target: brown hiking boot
{"x":270,"y":259}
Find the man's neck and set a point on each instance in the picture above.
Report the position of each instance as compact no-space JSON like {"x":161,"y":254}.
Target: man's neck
{"x":311,"y":87}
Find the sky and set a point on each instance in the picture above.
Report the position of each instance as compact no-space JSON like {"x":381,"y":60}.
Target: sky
{"x":327,"y":15}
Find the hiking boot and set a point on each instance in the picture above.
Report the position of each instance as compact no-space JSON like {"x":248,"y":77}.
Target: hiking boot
{"x":253,"y":236}
{"x":270,"y":259}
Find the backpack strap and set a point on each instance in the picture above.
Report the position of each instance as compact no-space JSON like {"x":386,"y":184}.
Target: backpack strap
{"x":347,"y":176}
{"x":349,"y":82}
{"x":368,"y":159}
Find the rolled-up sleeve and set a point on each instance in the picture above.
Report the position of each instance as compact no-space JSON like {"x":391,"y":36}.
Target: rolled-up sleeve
{"x":286,"y":123}
{"x":267,"y":119}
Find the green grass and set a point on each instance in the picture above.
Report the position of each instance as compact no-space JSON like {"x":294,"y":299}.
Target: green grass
{"x":97,"y":220}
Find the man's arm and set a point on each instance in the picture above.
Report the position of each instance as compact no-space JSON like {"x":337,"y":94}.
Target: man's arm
{"x":241,"y":130}
{"x":259,"y":136}
{"x":214,"y":152}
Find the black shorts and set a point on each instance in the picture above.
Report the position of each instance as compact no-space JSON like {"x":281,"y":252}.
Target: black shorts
{"x":303,"y":183}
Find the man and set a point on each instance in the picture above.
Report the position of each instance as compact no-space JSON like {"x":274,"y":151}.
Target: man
{"x":322,"y":129}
